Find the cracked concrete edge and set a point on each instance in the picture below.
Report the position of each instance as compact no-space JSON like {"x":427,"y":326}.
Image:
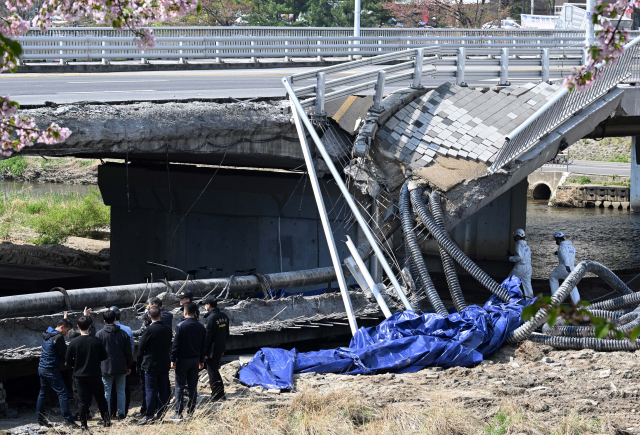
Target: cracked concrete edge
{"x":147,"y":125}
{"x":391,"y":105}
{"x":467,"y":198}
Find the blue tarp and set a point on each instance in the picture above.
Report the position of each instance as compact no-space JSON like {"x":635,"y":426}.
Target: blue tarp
{"x":405,"y":342}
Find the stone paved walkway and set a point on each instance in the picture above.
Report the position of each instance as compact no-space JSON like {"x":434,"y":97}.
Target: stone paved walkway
{"x":460,"y":122}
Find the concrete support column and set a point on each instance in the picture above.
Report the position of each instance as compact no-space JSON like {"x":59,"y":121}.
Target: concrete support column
{"x":634,"y":191}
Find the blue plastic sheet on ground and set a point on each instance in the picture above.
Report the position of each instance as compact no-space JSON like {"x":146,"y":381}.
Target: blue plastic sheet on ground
{"x":405,"y":342}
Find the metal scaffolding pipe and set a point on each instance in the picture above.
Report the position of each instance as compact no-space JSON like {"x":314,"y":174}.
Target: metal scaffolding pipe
{"x":19,"y":305}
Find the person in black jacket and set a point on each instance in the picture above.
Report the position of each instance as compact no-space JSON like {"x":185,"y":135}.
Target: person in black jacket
{"x":73,"y":334}
{"x":85,"y":354}
{"x":167,"y":319}
{"x":155,"y":346}
{"x":217,"y":325}
{"x":51,"y":358}
{"x":118,"y":364}
{"x":187,"y":358}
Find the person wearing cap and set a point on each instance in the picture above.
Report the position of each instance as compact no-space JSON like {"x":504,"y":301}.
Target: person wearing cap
{"x":166,"y":318}
{"x":217,"y":326}
{"x":522,"y":267}
{"x":127,"y":388}
{"x":185,"y":297}
{"x":566,"y":260}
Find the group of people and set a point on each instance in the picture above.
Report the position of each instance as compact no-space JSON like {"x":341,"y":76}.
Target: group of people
{"x":102,"y":361}
{"x":522,"y":269}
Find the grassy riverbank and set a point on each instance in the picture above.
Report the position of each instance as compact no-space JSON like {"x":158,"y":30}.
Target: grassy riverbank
{"x":67,"y":170}
{"x":51,"y":218}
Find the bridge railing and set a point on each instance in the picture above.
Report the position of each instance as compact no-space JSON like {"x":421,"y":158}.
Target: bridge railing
{"x":273,"y":42}
{"x":413,"y":69}
{"x":564,"y":105}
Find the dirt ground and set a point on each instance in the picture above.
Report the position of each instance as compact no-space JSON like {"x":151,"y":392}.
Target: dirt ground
{"x":75,"y":252}
{"x":527,"y":389}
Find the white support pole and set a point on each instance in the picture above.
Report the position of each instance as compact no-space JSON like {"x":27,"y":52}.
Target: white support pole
{"x":590,"y":33}
{"x":546,"y":68}
{"x":62,"y":60}
{"x":104,"y":61}
{"x":377,"y":98}
{"x":346,"y":194}
{"x":356,"y":22}
{"x":181,"y":60}
{"x":370,"y":283}
{"x":461,"y":67}
{"x":504,"y":67}
{"x":326,"y":225}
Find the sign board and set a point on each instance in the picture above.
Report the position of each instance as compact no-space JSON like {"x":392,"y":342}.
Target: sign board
{"x":538,"y":21}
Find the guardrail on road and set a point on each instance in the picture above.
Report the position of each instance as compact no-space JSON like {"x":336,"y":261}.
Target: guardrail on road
{"x":257,"y":42}
{"x":564,"y":105}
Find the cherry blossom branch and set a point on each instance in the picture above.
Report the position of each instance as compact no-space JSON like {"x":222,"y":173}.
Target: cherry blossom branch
{"x":608,"y":46}
{"x":17,"y":131}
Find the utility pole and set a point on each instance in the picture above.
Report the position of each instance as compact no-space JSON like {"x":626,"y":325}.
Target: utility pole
{"x":356,"y":21}
{"x":590,"y":30}
{"x":532,"y":6}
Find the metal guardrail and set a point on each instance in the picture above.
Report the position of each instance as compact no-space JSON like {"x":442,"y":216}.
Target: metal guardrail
{"x":99,"y":43}
{"x":356,"y":83}
{"x":564,"y":105}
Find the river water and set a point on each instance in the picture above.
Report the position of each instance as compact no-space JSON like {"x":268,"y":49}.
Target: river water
{"x":610,"y":237}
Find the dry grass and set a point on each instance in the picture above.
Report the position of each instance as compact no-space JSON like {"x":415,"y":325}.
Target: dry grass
{"x":341,"y":412}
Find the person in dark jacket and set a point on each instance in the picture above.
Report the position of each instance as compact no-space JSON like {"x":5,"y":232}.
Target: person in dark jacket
{"x":73,"y":334}
{"x":118,"y":364}
{"x":187,"y":358}
{"x":54,"y":349}
{"x":186,"y":296}
{"x":127,"y":389}
{"x":155,"y":346}
{"x":217,"y":325}
{"x":85,"y":354}
{"x":167,"y":319}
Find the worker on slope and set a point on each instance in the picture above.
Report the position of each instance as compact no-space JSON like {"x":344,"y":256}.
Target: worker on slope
{"x":522,"y":259}
{"x":566,"y":257}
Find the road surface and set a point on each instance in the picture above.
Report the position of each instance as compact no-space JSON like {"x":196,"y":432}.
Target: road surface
{"x":34,"y":89}
{"x":595,"y":168}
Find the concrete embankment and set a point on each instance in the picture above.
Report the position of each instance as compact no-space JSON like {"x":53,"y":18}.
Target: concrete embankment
{"x":566,"y":189}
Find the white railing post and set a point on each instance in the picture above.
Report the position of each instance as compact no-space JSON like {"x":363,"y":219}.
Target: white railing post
{"x":545,"y":65}
{"x":351,"y":50}
{"x":377,"y":98}
{"x":417,"y":71}
{"x":253,"y":58}
{"x":320,"y":79}
{"x":286,"y":50}
{"x":319,"y":50}
{"x":181,"y":60}
{"x":104,"y":60}
{"x":143,"y":60}
{"x":460,"y":67}
{"x":218,"y":58}
{"x":62,"y":61}
{"x":504,"y":67}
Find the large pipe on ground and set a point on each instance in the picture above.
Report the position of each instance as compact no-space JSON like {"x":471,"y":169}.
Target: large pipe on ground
{"x":14,"y":306}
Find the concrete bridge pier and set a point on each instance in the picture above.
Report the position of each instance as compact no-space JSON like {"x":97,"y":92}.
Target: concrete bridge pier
{"x":265,"y":220}
{"x":487,"y":235}
{"x":634,"y":191}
